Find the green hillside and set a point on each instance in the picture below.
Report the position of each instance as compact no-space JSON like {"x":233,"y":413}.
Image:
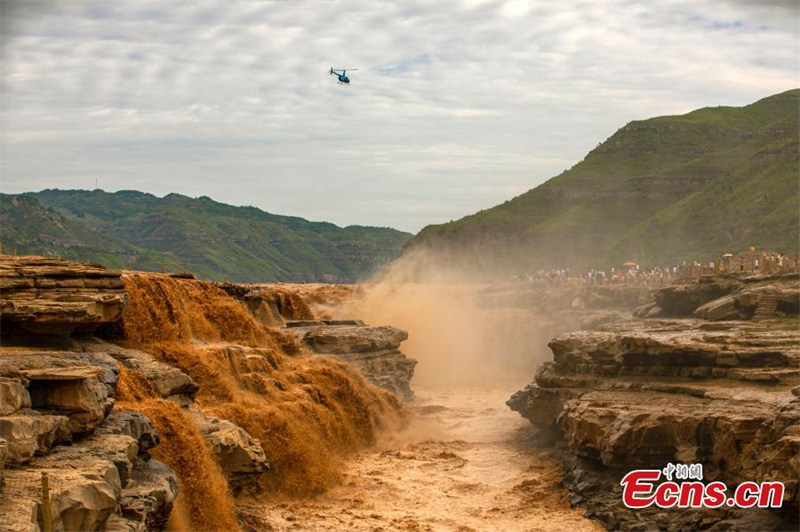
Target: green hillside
{"x":214,"y":240}
{"x":657,"y":191}
{"x":28,"y":228}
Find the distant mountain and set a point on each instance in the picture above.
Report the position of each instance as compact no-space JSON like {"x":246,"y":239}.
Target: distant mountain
{"x":214,"y":240}
{"x":658,"y":191}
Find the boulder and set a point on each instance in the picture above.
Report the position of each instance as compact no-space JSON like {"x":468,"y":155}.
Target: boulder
{"x":341,"y":339}
{"x":372,"y":350}
{"x":147,"y":500}
{"x":240,"y":456}
{"x":133,"y":424}
{"x":85,"y":498}
{"x":390,"y":369}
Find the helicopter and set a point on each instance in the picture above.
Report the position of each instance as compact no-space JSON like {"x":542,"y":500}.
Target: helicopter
{"x":343,"y":79}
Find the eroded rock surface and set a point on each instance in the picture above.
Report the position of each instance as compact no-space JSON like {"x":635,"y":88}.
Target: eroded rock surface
{"x":50,"y":295}
{"x":272,"y":304}
{"x":640,"y":396}
{"x":373,"y":350}
{"x":168,"y":381}
{"x":90,"y":480}
{"x":240,"y":455}
{"x":731,"y":298}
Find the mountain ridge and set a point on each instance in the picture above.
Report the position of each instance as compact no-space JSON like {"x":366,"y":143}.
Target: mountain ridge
{"x":647,"y":193}
{"x":216,"y":240}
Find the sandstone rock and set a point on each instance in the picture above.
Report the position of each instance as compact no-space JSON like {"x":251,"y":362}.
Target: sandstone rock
{"x":168,"y":381}
{"x":681,"y":299}
{"x":14,"y":362}
{"x":351,"y":339}
{"x":240,"y":456}
{"x":116,"y":523}
{"x":83,"y":495}
{"x":642,"y":394}
{"x":48,"y":295}
{"x":19,"y":508}
{"x":133,"y":424}
{"x":390,"y":369}
{"x":84,"y":500}
{"x":723,"y":308}
{"x":13,"y":396}
{"x":78,"y":385}
{"x":373,"y":350}
{"x":27,"y":435}
{"x":76,"y":392}
{"x":108,"y":474}
{"x":147,"y":500}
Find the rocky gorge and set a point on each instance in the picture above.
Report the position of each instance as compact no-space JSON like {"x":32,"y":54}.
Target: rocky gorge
{"x":145,"y":402}
{"x":153,"y":401}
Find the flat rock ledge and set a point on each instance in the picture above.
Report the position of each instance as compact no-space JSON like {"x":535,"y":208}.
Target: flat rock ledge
{"x":45,"y":295}
{"x":374,"y":351}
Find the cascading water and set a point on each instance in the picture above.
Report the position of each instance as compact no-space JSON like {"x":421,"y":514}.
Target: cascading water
{"x":307,"y":412}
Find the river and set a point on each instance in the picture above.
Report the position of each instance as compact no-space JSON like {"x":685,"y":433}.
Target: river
{"x":460,"y":465}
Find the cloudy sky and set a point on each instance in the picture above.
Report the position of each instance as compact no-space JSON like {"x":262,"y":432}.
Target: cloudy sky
{"x":455,"y":106}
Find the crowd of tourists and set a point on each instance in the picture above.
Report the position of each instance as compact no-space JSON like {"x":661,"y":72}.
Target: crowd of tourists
{"x":750,"y":261}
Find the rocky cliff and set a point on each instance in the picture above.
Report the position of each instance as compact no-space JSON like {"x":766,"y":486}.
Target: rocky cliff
{"x":145,"y":398}
{"x":647,"y":393}
{"x":49,"y":295}
{"x":57,"y":416}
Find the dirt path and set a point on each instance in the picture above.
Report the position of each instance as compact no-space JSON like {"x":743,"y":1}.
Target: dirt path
{"x":458,"y":467}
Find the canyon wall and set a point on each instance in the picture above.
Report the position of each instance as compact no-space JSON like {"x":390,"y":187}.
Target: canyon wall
{"x":642,"y":394}
{"x":173,"y":396}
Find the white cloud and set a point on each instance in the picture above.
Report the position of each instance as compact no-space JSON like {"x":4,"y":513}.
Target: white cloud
{"x":454,"y":108}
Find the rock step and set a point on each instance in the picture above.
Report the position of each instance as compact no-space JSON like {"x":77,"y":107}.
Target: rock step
{"x":767,"y":305}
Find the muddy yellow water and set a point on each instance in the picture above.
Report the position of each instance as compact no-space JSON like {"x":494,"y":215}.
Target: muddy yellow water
{"x":460,"y":465}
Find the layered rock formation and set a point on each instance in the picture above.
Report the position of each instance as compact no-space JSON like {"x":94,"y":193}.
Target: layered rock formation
{"x":373,"y":350}
{"x":239,"y":455}
{"x":49,"y":295}
{"x":566,"y":307}
{"x":57,"y":420}
{"x":642,"y":394}
{"x":57,"y":415}
{"x":270,"y":303}
{"x":728,"y":298}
